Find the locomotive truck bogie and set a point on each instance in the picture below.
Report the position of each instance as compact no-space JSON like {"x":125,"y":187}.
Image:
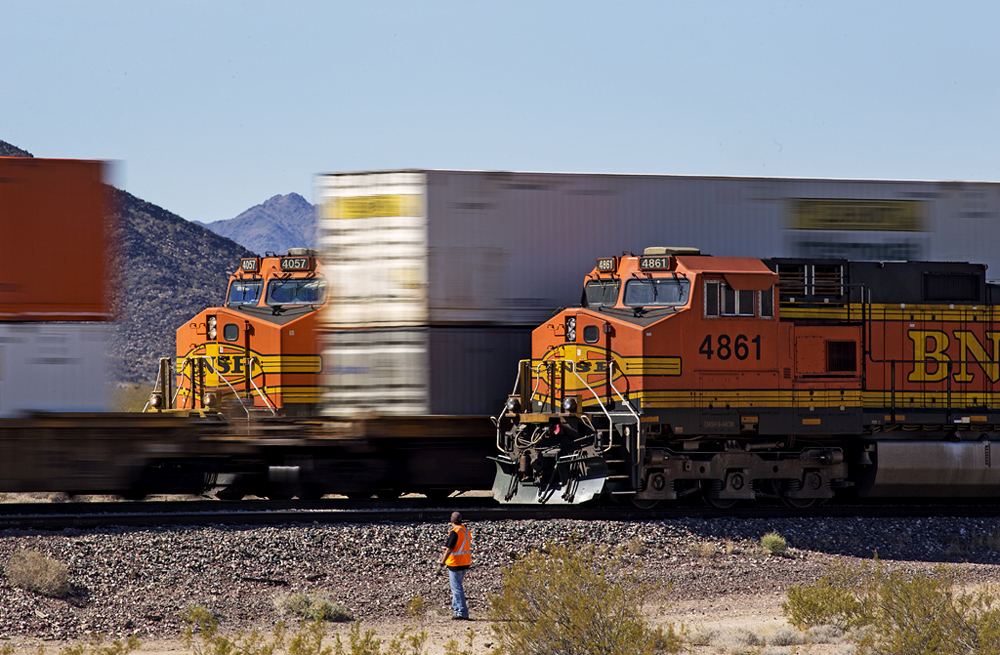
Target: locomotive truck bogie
{"x":738,"y":379}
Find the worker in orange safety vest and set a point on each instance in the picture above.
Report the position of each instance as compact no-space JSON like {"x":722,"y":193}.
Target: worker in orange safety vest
{"x":458,"y":558}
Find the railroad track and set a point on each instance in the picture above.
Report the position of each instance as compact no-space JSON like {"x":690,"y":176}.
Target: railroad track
{"x":56,"y":516}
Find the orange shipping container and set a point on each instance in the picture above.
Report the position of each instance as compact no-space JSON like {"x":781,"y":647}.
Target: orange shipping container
{"x":54,"y":224}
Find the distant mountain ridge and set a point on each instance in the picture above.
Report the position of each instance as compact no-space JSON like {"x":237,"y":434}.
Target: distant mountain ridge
{"x":277,"y":224}
{"x":8,"y":150}
{"x":173,"y":269}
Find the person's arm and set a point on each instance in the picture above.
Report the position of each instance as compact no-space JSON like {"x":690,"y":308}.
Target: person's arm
{"x":447,"y":552}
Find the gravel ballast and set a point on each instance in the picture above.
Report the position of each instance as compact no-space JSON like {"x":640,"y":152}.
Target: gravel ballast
{"x":139,"y":581}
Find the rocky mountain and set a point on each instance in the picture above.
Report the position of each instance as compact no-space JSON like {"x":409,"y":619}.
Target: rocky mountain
{"x":172,"y":269}
{"x":280,"y":223}
{"x":169,"y":270}
{"x":8,"y":150}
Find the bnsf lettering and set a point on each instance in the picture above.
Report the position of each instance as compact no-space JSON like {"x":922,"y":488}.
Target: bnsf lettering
{"x":596,"y":366}
{"x":228,"y":364}
{"x":933,"y":363}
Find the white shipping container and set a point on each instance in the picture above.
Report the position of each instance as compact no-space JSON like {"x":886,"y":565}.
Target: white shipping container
{"x":412,"y":249}
{"x":53,"y":367}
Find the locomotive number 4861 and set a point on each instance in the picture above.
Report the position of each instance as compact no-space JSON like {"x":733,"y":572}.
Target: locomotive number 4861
{"x":726,"y":346}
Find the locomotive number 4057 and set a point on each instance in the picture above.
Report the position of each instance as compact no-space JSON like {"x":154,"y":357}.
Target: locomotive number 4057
{"x":724,"y":346}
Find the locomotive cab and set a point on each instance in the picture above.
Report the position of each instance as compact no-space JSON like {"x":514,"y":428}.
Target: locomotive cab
{"x":257,"y":352}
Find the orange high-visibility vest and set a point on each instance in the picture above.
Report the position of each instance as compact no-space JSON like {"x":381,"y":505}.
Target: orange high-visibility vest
{"x":462,"y":554}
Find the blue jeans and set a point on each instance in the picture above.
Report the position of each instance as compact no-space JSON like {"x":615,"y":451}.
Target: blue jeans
{"x":458,"y":604}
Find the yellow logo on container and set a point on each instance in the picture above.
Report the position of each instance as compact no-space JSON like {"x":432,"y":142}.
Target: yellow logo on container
{"x":884,"y":215}
{"x":408,"y":204}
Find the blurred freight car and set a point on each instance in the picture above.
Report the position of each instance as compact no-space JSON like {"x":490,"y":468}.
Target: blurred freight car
{"x":55,"y":285}
{"x":438,"y":277}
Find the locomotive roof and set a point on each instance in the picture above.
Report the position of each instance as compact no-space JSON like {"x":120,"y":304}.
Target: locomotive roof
{"x":741,"y":273}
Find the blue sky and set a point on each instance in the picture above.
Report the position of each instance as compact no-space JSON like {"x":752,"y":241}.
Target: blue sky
{"x":213,"y":107}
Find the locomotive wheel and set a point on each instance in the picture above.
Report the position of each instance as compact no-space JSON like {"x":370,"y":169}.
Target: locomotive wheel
{"x":645,"y":503}
{"x":718,"y":503}
{"x":798,"y":503}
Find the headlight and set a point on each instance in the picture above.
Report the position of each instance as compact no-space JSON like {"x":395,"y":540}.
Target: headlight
{"x":212,"y":331}
{"x":571,"y":328}
{"x":569,"y":404}
{"x":155,"y":401}
{"x":513,"y":404}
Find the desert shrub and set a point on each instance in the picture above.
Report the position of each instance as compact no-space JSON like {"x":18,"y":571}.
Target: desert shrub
{"x":359,"y":643}
{"x":900,"y":613}
{"x":96,"y":646}
{"x":635,"y":546}
{"x":774,"y":543}
{"x":704,"y":637}
{"x":453,"y":648}
{"x":826,"y":602}
{"x":306,"y":607}
{"x":785,"y":636}
{"x":704,"y":549}
{"x":7,"y":649}
{"x":33,"y":571}
{"x":409,"y":644}
{"x":825,"y":634}
{"x":563,"y":601}
{"x":416,"y":607}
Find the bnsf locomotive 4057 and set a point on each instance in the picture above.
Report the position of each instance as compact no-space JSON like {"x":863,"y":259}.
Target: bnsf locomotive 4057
{"x":260,"y":349}
{"x":738,"y":378}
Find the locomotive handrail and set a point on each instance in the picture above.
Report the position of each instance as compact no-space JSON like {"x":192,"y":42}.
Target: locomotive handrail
{"x":638,"y":421}
{"x":251,"y":361}
{"x":611,"y":425}
{"x":208,"y":359}
{"x":517,"y":384}
{"x":222,"y":377}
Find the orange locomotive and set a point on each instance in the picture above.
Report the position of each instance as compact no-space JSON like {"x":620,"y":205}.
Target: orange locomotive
{"x":260,"y":349}
{"x":737,"y":378}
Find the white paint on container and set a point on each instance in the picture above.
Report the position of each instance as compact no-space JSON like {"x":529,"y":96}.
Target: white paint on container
{"x":53,"y":367}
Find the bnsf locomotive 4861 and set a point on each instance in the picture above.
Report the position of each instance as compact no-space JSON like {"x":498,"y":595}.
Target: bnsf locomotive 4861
{"x":738,"y":378}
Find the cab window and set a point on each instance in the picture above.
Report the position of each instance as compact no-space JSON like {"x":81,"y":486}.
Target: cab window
{"x":296,"y":291}
{"x":602,"y":293}
{"x":650,"y":292}
{"x":723,"y":300}
{"x":244,"y":292}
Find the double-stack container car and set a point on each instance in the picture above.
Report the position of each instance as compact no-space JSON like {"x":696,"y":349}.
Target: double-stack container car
{"x":438,"y":277}
{"x":55,"y":285}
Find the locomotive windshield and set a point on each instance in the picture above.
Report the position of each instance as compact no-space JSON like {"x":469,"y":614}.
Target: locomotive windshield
{"x":297,"y":291}
{"x":602,"y":293}
{"x":244,"y":292}
{"x":649,"y":292}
